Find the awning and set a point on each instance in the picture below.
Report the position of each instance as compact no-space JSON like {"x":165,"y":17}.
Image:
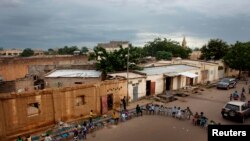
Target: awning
{"x":189,"y":74}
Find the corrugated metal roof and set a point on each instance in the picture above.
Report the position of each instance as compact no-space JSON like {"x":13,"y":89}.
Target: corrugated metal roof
{"x":74,"y":73}
{"x":168,"y":69}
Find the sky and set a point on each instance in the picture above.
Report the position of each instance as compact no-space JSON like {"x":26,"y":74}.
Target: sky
{"x":43,"y":24}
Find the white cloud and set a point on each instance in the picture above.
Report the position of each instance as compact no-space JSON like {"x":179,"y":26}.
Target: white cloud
{"x":192,"y":41}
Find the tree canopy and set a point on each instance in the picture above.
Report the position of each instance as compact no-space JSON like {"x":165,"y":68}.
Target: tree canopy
{"x":27,"y":52}
{"x":67,"y":50}
{"x":163,"y":55}
{"x":115,"y":61}
{"x":215,"y":49}
{"x":84,"y":50}
{"x":238,"y":57}
{"x":167,"y":45}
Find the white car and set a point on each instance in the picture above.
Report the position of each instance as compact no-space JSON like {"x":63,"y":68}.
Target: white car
{"x":237,"y":110}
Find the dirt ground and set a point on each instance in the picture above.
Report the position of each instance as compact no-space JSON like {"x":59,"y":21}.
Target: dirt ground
{"x":150,"y":128}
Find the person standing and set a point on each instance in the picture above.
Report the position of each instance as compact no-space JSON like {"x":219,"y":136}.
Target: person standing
{"x":124,"y":103}
{"x":121,"y":105}
{"x":243,"y":90}
{"x":138,"y":110}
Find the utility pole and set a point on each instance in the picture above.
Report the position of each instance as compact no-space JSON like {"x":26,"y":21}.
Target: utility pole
{"x":128,"y":74}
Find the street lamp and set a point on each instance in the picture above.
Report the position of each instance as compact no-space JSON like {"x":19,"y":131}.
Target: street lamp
{"x":127,"y":74}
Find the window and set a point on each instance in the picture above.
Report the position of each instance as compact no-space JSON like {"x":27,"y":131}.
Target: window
{"x":33,"y":109}
{"x":78,"y":82}
{"x":244,"y":107}
{"x":80,"y":100}
{"x":232,"y":107}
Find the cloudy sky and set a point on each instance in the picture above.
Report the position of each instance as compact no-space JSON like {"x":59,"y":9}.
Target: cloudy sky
{"x":47,"y":24}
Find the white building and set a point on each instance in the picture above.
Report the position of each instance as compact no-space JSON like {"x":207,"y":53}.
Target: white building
{"x":173,"y":77}
{"x":136,"y":84}
{"x":209,"y":70}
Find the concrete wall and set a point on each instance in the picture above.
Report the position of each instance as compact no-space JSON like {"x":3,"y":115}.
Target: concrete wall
{"x":15,"y":113}
{"x":9,"y":66}
{"x":141,"y":83}
{"x":159,"y":82}
{"x":67,"y":82}
{"x":23,"y":85}
{"x":54,"y":105}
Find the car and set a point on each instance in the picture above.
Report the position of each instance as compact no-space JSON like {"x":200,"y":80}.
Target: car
{"x":226,"y":83}
{"x":236,"y":110}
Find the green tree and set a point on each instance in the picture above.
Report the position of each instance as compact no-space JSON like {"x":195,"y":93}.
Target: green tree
{"x":215,"y":49}
{"x":27,"y":52}
{"x":1,"y":48}
{"x":84,"y":50}
{"x":51,"y":51}
{"x":151,"y":48}
{"x":238,"y":57}
{"x":163,"y":55}
{"x":67,"y":50}
{"x":115,"y":61}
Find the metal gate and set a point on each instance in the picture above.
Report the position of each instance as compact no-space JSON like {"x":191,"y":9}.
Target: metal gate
{"x":135,"y":92}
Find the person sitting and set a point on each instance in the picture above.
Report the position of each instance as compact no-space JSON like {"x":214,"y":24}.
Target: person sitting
{"x":75,"y":131}
{"x":178,"y":113}
{"x":47,"y":138}
{"x":174,"y":111}
{"x":19,"y":138}
{"x":202,"y":120}
{"x":115,"y":117}
{"x":161,"y":110}
{"x":152,"y":109}
{"x":138,"y":110}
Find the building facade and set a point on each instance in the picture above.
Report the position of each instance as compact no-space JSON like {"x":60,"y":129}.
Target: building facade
{"x":136,"y":84}
{"x":21,"y":113}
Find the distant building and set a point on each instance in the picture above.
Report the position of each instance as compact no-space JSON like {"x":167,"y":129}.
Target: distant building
{"x":10,"y":52}
{"x":114,"y":45}
{"x":38,"y":52}
{"x":195,"y":55}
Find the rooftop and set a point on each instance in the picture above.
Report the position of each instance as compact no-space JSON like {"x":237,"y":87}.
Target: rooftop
{"x":167,"y":69}
{"x":74,"y":73}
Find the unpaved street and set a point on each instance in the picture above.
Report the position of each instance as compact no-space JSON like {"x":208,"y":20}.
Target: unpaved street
{"x":154,"y":127}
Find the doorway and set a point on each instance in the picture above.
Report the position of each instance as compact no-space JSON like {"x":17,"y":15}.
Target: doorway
{"x":135,"y":92}
{"x":148,"y":88}
{"x":110,"y":101}
{"x":168,"y":83}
